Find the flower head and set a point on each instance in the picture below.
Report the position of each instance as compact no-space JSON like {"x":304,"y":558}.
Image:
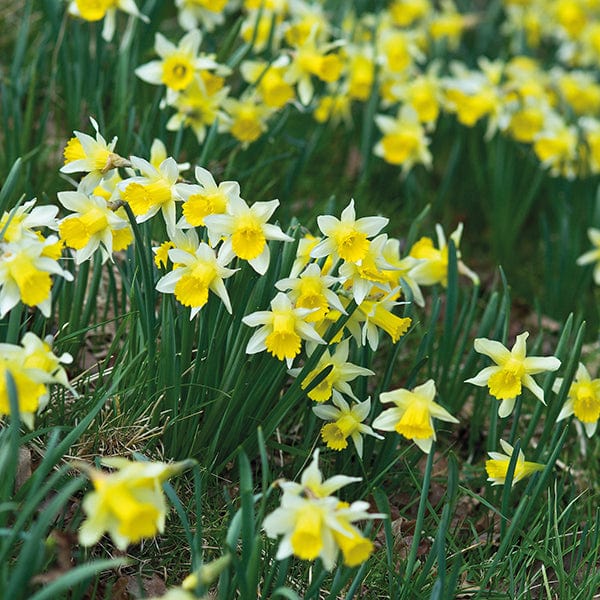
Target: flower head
{"x":512,"y":371}
{"x":246,"y":231}
{"x":315,"y":524}
{"x":345,"y":422}
{"x":583,"y":400}
{"x":128,"y":503}
{"x":283,"y":329}
{"x":348,"y":237}
{"x":413,"y":414}
{"x":497,"y":465}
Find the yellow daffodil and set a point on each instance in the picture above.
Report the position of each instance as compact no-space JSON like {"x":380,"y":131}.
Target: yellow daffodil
{"x":341,"y":372}
{"x":433,"y":262}
{"x":312,"y":290}
{"x":413,"y":414}
{"x":178,"y":64}
{"x":194,"y":276}
{"x":96,"y":10}
{"x":583,"y":400}
{"x":199,"y":106}
{"x":269,"y":80}
{"x":497,"y":465}
{"x":345,"y":422}
{"x":20,"y":222}
{"x":25,"y":274}
{"x":512,"y":371}
{"x":33,"y":366}
{"x":206,"y":198}
{"x":246,"y":231}
{"x":128,"y":503}
{"x":348,"y":237}
{"x":282,"y":329}
{"x":404,"y":141}
{"x":248,"y":117}
{"x":95,"y":157}
{"x":92,"y":226}
{"x":315,"y":524}
{"x":205,"y":13}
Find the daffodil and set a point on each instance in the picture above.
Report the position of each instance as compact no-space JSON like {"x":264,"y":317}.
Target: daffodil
{"x":312,"y":290}
{"x":433,"y":262}
{"x":205,"y":13}
{"x":512,"y":371}
{"x":282,"y":329}
{"x":195,"y":274}
{"x":92,"y":226}
{"x":21,"y":221}
{"x":348,"y":237}
{"x":96,"y":10}
{"x":315,"y":524}
{"x":374,"y":315}
{"x":93,"y":156}
{"x":368,"y":273}
{"x":413,"y":414}
{"x":583,"y":400}
{"x":33,"y":366}
{"x":128,"y":503}
{"x":497,"y":465}
{"x":158,"y":153}
{"x":340,"y":374}
{"x":25,"y":274}
{"x":269,"y":80}
{"x":345,"y":422}
{"x":200,"y":105}
{"x":248,"y":117}
{"x":178,"y":64}
{"x":592,"y":256}
{"x":404,"y":141}
{"x":206,"y":198}
{"x":246,"y":231}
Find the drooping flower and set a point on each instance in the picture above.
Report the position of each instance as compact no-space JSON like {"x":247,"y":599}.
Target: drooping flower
{"x":128,"y":503}
{"x":497,"y":465}
{"x":583,"y":400}
{"x":512,"y":371}
{"x":345,"y":422}
{"x":413,"y":414}
{"x":348,"y":237}
{"x":246,"y":231}
{"x":433,"y":262}
{"x":282,"y":329}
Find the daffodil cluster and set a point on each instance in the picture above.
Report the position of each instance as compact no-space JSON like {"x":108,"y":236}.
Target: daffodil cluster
{"x":316,"y":524}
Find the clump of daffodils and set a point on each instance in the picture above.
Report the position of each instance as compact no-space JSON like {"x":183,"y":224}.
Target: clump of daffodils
{"x":513,"y":371}
{"x":129,"y":502}
{"x":33,"y":367}
{"x":316,"y":524}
